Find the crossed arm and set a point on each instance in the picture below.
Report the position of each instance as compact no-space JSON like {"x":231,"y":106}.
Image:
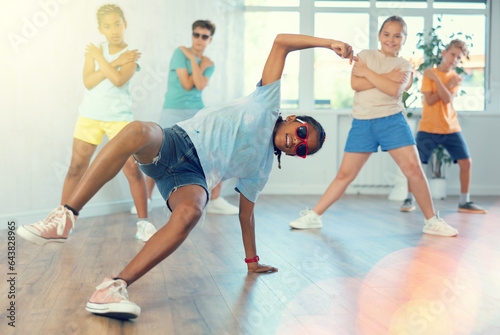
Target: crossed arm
{"x":92,"y":78}
{"x":196,"y":79}
{"x":392,"y":83}
{"x":444,"y":92}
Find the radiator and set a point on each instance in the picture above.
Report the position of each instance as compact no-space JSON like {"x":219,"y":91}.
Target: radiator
{"x":379,"y":172}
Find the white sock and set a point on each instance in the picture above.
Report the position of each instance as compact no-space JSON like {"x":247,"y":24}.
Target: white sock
{"x":464,"y":198}
{"x":410,"y":196}
{"x":316,"y":214}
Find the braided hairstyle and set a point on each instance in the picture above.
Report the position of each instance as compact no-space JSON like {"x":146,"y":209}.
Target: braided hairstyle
{"x":312,"y":122}
{"x":108,"y":9}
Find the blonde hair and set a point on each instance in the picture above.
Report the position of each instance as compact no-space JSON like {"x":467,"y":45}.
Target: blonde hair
{"x":458,"y":44}
{"x":108,"y":9}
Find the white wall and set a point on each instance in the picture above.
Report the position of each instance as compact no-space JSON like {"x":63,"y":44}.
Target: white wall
{"x":42,"y":53}
{"x":41,"y":89}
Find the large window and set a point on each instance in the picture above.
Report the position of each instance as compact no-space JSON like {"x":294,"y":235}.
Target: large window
{"x":325,"y":78}
{"x":260,"y":30}
{"x":332,"y":75}
{"x":272,"y":2}
{"x":472,"y":98}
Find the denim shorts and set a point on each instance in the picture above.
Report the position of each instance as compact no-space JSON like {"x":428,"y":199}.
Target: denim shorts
{"x":176,"y":165}
{"x":390,"y":132}
{"x":454,"y":143}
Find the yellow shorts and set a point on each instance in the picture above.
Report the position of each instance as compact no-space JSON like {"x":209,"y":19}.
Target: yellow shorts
{"x":92,"y":131}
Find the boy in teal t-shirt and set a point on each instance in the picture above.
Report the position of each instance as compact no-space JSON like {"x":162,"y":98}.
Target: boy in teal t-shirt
{"x":189,"y":73}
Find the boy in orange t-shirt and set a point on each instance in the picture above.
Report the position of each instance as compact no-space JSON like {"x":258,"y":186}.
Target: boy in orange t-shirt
{"x":439,"y":123}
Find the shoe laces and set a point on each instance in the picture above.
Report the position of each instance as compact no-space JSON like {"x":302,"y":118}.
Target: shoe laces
{"x":146,"y":226}
{"x":305,"y":212}
{"x":57,"y":218}
{"x":440,"y":224}
{"x":116,"y":289}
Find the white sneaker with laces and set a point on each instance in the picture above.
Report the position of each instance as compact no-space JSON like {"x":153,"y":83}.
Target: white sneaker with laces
{"x":308,"y":220}
{"x":145,"y":230}
{"x":437,"y":226}
{"x":133,"y":209}
{"x":221,"y":206}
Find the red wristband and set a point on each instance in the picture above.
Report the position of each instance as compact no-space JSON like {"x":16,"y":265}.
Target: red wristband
{"x":252,"y":260}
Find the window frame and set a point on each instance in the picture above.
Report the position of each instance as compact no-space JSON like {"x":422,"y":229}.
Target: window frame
{"x":307,"y":11}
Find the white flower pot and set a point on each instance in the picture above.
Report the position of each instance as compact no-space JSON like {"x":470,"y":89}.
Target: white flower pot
{"x":438,"y":188}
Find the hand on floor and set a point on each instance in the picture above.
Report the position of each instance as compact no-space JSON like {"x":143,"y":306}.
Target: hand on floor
{"x":262,"y":268}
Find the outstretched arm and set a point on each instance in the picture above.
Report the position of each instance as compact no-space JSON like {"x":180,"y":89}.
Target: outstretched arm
{"x":286,"y":43}
{"x":247,"y":221}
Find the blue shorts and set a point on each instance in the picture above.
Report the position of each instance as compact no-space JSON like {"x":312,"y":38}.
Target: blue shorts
{"x":390,"y":132}
{"x":454,"y":143}
{"x":176,"y":165}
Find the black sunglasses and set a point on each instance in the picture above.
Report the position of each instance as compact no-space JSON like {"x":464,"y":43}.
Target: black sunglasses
{"x":203,"y":37}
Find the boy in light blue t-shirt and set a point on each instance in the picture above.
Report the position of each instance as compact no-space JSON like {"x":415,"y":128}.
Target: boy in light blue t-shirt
{"x":233,"y":140}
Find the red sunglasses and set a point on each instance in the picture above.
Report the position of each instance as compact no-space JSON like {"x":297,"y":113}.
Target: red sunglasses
{"x":302,"y":131}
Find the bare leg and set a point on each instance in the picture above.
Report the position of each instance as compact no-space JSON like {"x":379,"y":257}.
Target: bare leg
{"x":137,"y":187}
{"x":216,"y":191}
{"x":465,"y":172}
{"x":80,"y":158}
{"x":187,"y":203}
{"x":409,"y":163}
{"x":150,"y":185}
{"x":349,"y":169}
{"x":143,"y":139}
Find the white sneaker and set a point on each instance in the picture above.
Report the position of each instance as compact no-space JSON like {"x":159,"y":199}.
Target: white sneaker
{"x":221,"y":206}
{"x":437,"y":226}
{"x":145,"y":230}
{"x":308,"y":220}
{"x":133,"y":210}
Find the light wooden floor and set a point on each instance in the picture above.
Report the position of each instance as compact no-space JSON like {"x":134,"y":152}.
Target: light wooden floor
{"x":370,"y":270}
